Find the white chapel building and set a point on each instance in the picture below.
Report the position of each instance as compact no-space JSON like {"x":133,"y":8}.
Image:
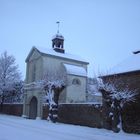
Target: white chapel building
{"x":55,"y":59}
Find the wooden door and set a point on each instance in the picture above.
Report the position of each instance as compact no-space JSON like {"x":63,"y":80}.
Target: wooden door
{"x":33,"y":108}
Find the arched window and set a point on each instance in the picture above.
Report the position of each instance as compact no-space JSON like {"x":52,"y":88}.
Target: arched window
{"x":76,"y":81}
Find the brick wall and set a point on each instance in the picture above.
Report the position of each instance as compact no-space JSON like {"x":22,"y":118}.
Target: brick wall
{"x":45,"y":112}
{"x":86,"y":115}
{"x":131,"y":118}
{"x":81,"y":114}
{"x":130,"y":79}
{"x":131,"y":111}
{"x":13,"y":109}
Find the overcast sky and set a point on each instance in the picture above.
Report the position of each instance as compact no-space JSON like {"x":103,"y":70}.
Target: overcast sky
{"x":104,"y":32}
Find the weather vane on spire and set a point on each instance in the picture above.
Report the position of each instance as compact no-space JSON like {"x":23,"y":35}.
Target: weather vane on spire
{"x":58,"y":26}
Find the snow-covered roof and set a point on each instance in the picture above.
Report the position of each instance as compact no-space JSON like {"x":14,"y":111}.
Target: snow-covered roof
{"x":58,"y":35}
{"x":62,"y":55}
{"x":75,"y":70}
{"x":130,"y":64}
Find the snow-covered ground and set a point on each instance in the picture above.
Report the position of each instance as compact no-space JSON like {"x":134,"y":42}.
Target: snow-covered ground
{"x":17,"y":128}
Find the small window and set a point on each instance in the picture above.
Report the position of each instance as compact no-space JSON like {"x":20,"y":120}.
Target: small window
{"x":76,"y":82}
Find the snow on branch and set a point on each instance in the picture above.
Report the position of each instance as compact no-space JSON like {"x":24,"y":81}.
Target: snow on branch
{"x":123,"y":95}
{"x":52,"y":83}
{"x":58,"y":77}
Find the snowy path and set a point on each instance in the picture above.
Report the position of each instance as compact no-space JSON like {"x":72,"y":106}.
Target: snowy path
{"x":17,"y":128}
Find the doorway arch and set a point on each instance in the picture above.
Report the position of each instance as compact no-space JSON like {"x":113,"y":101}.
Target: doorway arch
{"x":33,"y":108}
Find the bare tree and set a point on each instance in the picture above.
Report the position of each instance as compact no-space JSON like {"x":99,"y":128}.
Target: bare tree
{"x":9,"y":74}
{"x":116,"y":97}
{"x":122,"y":94}
{"x":53,"y":83}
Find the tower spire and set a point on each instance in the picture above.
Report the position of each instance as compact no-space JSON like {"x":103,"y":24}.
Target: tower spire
{"x":58,"y":41}
{"x":58,"y":23}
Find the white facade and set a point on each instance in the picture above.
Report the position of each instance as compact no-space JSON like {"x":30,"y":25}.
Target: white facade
{"x":39,"y":62}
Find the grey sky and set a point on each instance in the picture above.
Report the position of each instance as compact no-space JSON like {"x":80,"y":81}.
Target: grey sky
{"x":104,"y":32}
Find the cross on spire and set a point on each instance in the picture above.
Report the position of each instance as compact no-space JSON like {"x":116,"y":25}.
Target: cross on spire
{"x":57,"y":26}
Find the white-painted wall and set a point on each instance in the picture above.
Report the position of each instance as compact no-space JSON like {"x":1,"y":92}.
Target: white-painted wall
{"x":42,"y":63}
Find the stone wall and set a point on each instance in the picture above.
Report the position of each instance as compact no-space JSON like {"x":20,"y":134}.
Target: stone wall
{"x":81,"y":114}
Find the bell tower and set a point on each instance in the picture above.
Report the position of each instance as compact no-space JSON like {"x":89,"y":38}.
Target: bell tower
{"x":58,"y":41}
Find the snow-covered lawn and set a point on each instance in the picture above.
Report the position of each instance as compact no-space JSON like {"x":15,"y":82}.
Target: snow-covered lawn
{"x":17,"y":128}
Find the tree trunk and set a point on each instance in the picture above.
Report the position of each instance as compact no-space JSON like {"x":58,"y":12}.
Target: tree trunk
{"x":116,"y":117}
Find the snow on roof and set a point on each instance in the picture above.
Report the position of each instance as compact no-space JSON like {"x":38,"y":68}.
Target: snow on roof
{"x":130,"y":64}
{"x":62,"y":55}
{"x":75,"y":70}
{"x":58,"y":35}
